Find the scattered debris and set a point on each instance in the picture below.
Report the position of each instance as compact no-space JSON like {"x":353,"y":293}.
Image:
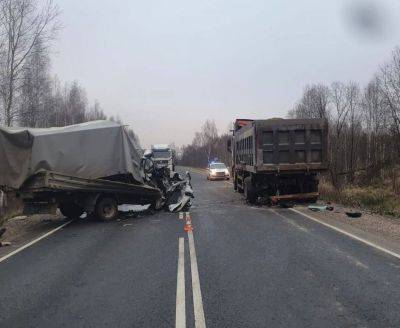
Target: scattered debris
{"x":320,"y":208}
{"x":2,"y":231}
{"x":4,"y":243}
{"x":177,"y":191}
{"x":353,"y":214}
{"x":127,"y":224}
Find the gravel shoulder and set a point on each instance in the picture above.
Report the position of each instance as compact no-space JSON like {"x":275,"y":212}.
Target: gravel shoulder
{"x":382,"y":227}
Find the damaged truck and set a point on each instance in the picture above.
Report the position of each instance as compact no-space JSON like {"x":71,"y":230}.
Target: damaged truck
{"x":278,"y":159}
{"x":90,"y":167}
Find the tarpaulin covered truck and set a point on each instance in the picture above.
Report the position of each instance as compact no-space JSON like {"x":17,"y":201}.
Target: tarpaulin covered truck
{"x":278,"y":159}
{"x":90,"y":167}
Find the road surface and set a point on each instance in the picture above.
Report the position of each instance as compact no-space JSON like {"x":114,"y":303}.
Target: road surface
{"x":241,"y":266}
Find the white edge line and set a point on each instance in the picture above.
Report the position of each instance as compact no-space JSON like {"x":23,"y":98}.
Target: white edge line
{"x":34,"y":241}
{"x":348,"y":234}
{"x":180,"y":313}
{"x":199,"y":319}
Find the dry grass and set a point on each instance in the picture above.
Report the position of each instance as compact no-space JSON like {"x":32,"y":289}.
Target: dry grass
{"x":378,"y":200}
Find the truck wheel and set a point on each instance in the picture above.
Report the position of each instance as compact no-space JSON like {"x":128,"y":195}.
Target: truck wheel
{"x":249,"y":191}
{"x":106,"y":209}
{"x":71,"y":210}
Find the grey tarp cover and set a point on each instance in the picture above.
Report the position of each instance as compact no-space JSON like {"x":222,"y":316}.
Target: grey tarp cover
{"x":89,"y":150}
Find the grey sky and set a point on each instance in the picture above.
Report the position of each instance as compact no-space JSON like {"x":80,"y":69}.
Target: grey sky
{"x":166,"y":66}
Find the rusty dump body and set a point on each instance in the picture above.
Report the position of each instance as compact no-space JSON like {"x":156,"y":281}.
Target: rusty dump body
{"x":276,"y":157}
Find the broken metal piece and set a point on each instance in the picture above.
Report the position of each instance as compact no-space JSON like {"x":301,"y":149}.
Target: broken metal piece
{"x":320,"y":208}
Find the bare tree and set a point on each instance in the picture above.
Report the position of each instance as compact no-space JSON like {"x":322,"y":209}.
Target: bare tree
{"x":209,"y":134}
{"x":22,"y":25}
{"x":389,"y":84}
{"x":313,"y":103}
{"x":95,"y":113}
{"x":34,"y":98}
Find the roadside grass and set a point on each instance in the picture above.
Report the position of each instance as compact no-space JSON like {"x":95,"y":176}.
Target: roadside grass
{"x":375,"y":199}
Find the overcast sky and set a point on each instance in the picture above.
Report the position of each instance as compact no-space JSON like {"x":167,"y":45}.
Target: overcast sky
{"x":166,"y":66}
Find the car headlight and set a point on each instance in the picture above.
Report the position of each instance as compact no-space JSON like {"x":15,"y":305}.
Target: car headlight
{"x":226,"y":171}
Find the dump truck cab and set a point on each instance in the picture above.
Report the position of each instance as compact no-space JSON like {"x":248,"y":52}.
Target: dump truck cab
{"x":278,"y":158}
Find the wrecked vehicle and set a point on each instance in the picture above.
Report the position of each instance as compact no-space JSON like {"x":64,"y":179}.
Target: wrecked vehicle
{"x":176,"y":191}
{"x":278,"y":159}
{"x":90,"y":167}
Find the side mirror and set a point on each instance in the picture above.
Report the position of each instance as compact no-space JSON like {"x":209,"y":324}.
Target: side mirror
{"x":229,"y":145}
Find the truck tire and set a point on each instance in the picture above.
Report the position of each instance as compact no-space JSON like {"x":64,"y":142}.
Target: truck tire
{"x":106,"y":209}
{"x":71,"y":210}
{"x":249,"y":191}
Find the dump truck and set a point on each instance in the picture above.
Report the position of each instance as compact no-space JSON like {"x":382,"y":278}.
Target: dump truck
{"x":90,"y":167}
{"x":278,"y":159}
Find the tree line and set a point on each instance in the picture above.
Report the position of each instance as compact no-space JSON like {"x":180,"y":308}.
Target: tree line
{"x":207,"y":145}
{"x":30,"y":96}
{"x":364,"y":126}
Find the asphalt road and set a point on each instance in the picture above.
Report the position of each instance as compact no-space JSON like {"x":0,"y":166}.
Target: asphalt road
{"x":253,"y":267}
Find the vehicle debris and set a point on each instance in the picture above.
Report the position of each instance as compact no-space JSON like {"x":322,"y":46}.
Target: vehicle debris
{"x":177,"y":191}
{"x":353,"y":215}
{"x":4,"y":243}
{"x":320,"y":208}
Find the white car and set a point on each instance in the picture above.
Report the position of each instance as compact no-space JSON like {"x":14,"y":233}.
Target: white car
{"x":216,"y":171}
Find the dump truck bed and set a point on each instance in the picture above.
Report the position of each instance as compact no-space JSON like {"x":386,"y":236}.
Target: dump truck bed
{"x":282,"y":145}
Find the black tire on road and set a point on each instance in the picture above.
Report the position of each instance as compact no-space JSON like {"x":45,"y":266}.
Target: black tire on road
{"x":106,"y":209}
{"x":71,"y":210}
{"x":249,"y":191}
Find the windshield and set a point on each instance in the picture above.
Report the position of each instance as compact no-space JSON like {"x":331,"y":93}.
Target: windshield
{"x":162,"y":153}
{"x":217,"y":166}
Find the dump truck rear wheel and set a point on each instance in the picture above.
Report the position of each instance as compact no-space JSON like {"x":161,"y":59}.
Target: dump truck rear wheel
{"x":71,"y":211}
{"x":249,"y":191}
{"x":106,"y":209}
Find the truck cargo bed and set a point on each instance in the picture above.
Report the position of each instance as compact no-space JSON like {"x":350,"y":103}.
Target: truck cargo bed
{"x":52,"y":181}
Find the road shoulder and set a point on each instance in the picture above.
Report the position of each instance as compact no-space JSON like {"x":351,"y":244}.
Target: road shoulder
{"x":373,"y":229}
